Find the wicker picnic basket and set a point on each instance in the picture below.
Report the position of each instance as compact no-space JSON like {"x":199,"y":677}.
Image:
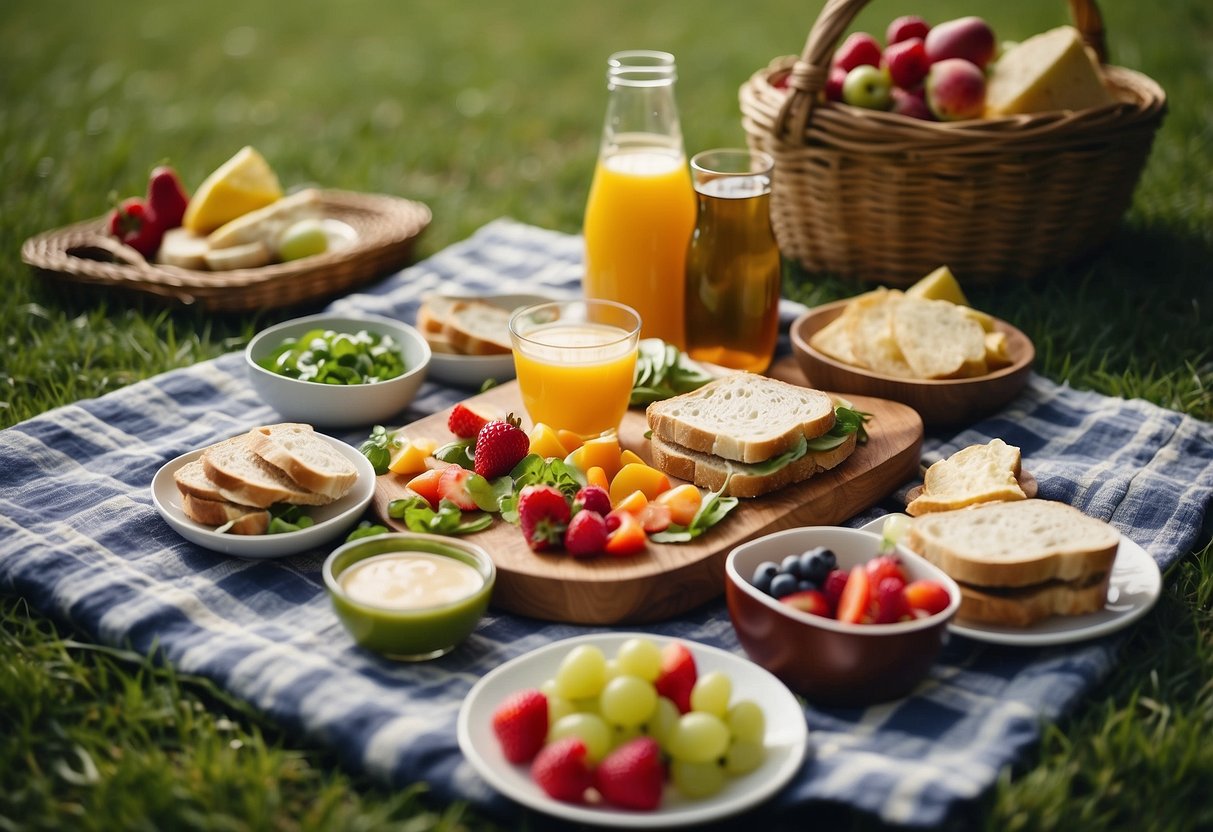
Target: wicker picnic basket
{"x":387,"y":226}
{"x":887,"y":198}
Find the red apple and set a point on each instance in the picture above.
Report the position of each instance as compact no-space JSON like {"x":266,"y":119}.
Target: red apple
{"x":956,"y":89}
{"x":906,"y":27}
{"x":858,"y":49}
{"x":970,"y":38}
{"x":907,"y":62}
{"x":834,"y":82}
{"x":911,"y":103}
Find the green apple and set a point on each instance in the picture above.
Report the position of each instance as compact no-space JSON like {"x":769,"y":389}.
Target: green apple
{"x":868,"y":86}
{"x":303,"y":239}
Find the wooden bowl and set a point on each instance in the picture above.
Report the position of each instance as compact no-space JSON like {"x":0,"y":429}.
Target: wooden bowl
{"x":940,"y":402}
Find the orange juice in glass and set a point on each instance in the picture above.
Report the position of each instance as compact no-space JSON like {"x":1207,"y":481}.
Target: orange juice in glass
{"x":641,"y":207}
{"x":575,"y":361}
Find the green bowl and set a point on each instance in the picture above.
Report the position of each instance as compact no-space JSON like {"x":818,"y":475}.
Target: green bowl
{"x":414,"y":634}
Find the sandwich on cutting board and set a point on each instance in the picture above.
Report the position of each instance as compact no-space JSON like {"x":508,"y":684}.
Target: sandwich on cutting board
{"x":749,"y":434}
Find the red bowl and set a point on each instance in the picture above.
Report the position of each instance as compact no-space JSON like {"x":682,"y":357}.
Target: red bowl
{"x":833,"y":662}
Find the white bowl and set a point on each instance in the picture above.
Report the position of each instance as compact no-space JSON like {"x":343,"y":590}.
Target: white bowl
{"x":338,"y":405}
{"x":472,"y":371}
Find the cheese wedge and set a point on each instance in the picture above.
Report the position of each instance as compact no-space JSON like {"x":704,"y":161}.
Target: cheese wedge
{"x":1049,"y":71}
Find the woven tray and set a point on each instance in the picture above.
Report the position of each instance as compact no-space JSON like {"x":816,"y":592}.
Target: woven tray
{"x":387,"y":226}
{"x":887,"y":198}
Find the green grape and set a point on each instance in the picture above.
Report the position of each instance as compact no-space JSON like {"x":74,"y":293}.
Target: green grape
{"x":698,"y":738}
{"x":639,"y":657}
{"x":582,"y":673}
{"x":559,"y":707}
{"x":711,"y":694}
{"x":627,"y":701}
{"x":663,"y":721}
{"x":589,"y":705}
{"x":612,"y":669}
{"x":697,"y":779}
{"x":592,"y":730}
{"x":548,"y":688}
{"x":747,"y":722}
{"x":743,"y":757}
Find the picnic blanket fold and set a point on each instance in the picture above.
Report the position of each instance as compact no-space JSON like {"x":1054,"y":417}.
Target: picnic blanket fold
{"x":80,"y":539}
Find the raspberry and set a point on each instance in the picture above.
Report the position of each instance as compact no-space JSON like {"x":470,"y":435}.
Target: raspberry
{"x":594,"y":498}
{"x":561,"y":770}
{"x":632,"y":776}
{"x":521,"y":725}
{"x":586,"y":535}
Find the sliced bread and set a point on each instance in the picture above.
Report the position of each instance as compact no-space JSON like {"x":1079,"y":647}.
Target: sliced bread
{"x":1014,"y":544}
{"x":708,"y":471}
{"x":475,"y":327}
{"x":1025,"y":606}
{"x":742,"y":417}
{"x":304,"y":457}
{"x":191,"y":479}
{"x":244,"y":519}
{"x":434,"y":312}
{"x":976,"y":474}
{"x":870,"y":328}
{"x":937,"y":339}
{"x":247,"y":479}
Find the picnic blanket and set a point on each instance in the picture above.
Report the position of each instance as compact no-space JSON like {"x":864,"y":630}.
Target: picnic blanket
{"x":81,"y":540}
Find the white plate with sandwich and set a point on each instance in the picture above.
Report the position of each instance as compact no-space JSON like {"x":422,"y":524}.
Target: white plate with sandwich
{"x":469,"y":336}
{"x":1035,"y":572}
{"x":219,"y":497}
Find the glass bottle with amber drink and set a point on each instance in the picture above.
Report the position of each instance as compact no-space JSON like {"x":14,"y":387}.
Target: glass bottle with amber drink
{"x":732,"y":273}
{"x":641,"y":206}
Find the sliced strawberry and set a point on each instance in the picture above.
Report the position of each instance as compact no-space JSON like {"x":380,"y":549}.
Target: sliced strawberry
{"x":632,"y":776}
{"x":677,"y":676}
{"x":811,"y":601}
{"x":500,"y":445}
{"x":628,"y":538}
{"x":426,"y":484}
{"x":928,"y":596}
{"x":453,"y":486}
{"x":543,"y":515}
{"x":561,"y":770}
{"x":885,"y":566}
{"x":856,"y":595}
{"x":655,"y":517}
{"x":465,"y":422}
{"x":521,"y":725}
{"x":832,"y":586}
{"x":586,"y":535}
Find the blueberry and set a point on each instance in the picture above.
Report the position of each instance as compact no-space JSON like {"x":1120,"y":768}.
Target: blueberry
{"x":804,"y":585}
{"x":791,"y":565}
{"x":763,"y":575}
{"x":816,"y":563}
{"x":783,"y":584}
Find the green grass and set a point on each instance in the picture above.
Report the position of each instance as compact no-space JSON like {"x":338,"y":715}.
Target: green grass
{"x":482,"y":111}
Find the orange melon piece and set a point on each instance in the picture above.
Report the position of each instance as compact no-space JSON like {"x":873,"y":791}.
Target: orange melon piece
{"x":546,"y":443}
{"x":411,"y":456}
{"x":601,"y":451}
{"x":636,"y":476}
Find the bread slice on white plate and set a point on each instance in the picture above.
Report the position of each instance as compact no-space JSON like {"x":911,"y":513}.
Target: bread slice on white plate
{"x":476,"y":327}
{"x":742,"y":417}
{"x":304,"y":457}
{"x":709,"y":471}
{"x":191,"y":479}
{"x":937,"y":339}
{"x":1015,"y":544}
{"x":976,"y":474}
{"x":244,"y":519}
{"x":434,"y":312}
{"x":1027,"y":605}
{"x":247,"y":479}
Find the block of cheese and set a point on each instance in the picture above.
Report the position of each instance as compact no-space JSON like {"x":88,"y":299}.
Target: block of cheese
{"x":1049,"y":71}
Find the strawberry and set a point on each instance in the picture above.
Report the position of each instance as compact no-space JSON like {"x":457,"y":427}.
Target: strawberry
{"x":890,"y":600}
{"x":594,"y":498}
{"x":465,"y":422}
{"x":853,"y":604}
{"x":832,"y":586}
{"x":627,"y":535}
{"x":453,"y":486}
{"x":586,"y":534}
{"x":677,"y":676}
{"x":500,"y":445}
{"x":885,"y":566}
{"x":521,"y":725}
{"x":927,"y":596}
{"x":543,"y":514}
{"x":561,"y":770}
{"x":809,"y":600}
{"x":426,"y":484}
{"x":134,"y":223}
{"x":166,"y":196}
{"x":632,"y":776}
{"x":655,"y":517}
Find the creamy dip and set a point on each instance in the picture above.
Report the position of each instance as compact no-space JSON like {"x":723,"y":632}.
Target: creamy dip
{"x":409,"y":580}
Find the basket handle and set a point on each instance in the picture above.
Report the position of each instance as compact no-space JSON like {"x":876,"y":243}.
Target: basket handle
{"x":808,"y":75}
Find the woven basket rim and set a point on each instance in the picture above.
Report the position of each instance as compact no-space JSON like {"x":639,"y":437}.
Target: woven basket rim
{"x":386,"y":227}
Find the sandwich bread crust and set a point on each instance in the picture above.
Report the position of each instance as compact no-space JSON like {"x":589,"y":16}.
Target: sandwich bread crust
{"x":303,"y":456}
{"x":232,"y":465}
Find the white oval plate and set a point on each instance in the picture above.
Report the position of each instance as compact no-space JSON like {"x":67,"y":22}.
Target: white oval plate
{"x":1133,"y":589}
{"x":332,"y":520}
{"x":786,"y":740}
{"x":475,"y":370}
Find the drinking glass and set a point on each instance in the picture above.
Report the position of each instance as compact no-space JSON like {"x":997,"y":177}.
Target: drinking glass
{"x":575,"y":362}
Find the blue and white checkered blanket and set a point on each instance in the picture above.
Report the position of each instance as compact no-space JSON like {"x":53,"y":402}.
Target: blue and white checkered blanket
{"x":80,"y":539}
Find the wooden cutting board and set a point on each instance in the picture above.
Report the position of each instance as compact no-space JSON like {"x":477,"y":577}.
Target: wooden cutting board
{"x":671,"y":578}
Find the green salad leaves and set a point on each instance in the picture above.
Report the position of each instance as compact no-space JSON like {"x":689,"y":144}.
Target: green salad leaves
{"x":663,"y":371}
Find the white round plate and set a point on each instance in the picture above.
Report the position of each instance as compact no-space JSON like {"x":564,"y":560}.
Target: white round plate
{"x":1135,"y":585}
{"x":332,"y":520}
{"x":474,"y":370}
{"x":786,"y":739}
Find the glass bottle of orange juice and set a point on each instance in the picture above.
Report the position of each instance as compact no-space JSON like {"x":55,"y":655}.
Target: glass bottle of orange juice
{"x":641,"y":207}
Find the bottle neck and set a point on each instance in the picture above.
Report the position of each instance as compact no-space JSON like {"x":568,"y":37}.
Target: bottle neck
{"x":642,"y":113}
